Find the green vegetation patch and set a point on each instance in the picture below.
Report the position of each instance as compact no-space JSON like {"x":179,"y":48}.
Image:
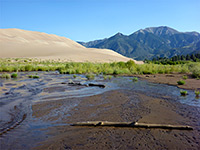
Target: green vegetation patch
{"x":5,"y":76}
{"x":105,"y":77}
{"x":197,"y":93}
{"x":183,"y":93}
{"x":185,"y":77}
{"x":115,"y":68}
{"x":181,"y":82}
{"x":90,"y":76}
{"x":33,"y":76}
{"x":135,"y":79}
{"x":14,"y":75}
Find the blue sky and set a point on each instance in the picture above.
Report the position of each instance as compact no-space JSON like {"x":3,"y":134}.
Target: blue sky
{"x":85,"y":20}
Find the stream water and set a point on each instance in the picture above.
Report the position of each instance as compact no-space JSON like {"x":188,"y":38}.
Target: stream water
{"x":18,"y":95}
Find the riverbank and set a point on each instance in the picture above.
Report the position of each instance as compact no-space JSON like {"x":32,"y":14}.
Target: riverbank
{"x":171,"y":79}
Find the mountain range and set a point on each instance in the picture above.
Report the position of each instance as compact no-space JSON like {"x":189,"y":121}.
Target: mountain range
{"x":150,"y":42}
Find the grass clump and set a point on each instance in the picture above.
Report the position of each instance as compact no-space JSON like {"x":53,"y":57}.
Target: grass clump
{"x":183,"y":93}
{"x":135,"y":79}
{"x":197,"y":93}
{"x":185,"y":77}
{"x":181,"y":82}
{"x":105,"y":77}
{"x":14,"y":75}
{"x":34,"y":76}
{"x":5,"y":76}
{"x":90,"y":76}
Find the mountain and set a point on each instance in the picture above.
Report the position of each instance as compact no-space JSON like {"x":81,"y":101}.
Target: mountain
{"x":147,"y":43}
{"x":30,"y":44}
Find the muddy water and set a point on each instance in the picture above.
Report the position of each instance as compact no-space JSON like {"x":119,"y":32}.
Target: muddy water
{"x":19,"y":126}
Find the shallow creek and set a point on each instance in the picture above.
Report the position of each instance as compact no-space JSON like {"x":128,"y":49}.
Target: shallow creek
{"x":18,"y":95}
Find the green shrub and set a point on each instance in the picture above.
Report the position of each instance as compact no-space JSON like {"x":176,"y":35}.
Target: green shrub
{"x":135,"y":79}
{"x":109,"y":77}
{"x":14,"y":75}
{"x":197,"y":93}
{"x":195,"y":69}
{"x":30,"y":76}
{"x":181,"y":82}
{"x":130,"y":64}
{"x":115,"y":72}
{"x":105,"y":77}
{"x":90,"y":76}
{"x":33,"y":76}
{"x":5,"y":75}
{"x":28,"y":68}
{"x":185,"y":77}
{"x":183,"y":93}
{"x":196,"y":74}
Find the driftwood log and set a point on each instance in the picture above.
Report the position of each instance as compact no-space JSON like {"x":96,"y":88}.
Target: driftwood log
{"x":132,"y":124}
{"x":87,"y":85}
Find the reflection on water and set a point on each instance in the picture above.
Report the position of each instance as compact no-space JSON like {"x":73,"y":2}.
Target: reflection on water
{"x":17,"y":97}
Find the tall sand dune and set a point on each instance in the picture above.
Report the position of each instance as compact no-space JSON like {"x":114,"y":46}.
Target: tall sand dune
{"x":17,"y":43}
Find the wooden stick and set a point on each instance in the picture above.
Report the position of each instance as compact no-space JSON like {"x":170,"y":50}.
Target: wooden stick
{"x":132,"y":124}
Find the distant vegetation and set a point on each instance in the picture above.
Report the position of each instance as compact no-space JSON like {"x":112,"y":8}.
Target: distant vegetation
{"x":115,"y":68}
{"x":179,"y":59}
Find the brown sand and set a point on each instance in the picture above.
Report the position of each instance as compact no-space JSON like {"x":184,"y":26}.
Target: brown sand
{"x":121,"y":106}
{"x":171,"y":79}
{"x":16,"y":43}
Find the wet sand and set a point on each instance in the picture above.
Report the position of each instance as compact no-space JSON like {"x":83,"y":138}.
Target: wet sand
{"x":121,"y":105}
{"x":171,"y":79}
{"x":50,"y":107}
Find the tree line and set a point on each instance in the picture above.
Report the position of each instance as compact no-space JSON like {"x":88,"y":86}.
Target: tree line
{"x":178,"y":59}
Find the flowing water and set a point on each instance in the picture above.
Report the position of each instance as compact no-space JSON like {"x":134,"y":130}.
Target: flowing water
{"x":17,"y":125}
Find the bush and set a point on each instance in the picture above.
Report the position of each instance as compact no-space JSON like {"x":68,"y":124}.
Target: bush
{"x":74,"y":76}
{"x":105,"y":77}
{"x":33,"y":76}
{"x":196,"y":74}
{"x":183,"y":93}
{"x":197,"y":93}
{"x":185,"y":77}
{"x":14,"y":75}
{"x":181,"y":82}
{"x":5,"y":75}
{"x":135,"y":79}
{"x":90,"y":76}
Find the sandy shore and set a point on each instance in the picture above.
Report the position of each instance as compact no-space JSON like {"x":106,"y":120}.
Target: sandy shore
{"x":171,"y":79}
{"x":121,"y":105}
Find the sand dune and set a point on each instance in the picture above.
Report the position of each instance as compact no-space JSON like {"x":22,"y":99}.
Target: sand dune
{"x":19,"y":43}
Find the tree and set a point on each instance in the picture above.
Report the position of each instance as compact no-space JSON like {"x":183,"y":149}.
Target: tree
{"x":188,"y":57}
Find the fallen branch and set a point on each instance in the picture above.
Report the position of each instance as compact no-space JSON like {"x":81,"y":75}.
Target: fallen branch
{"x":87,"y":85}
{"x":132,"y":124}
